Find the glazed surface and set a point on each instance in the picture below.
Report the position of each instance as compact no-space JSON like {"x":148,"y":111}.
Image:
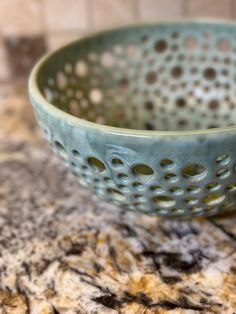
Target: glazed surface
{"x":168,"y":76}
{"x":171,"y":169}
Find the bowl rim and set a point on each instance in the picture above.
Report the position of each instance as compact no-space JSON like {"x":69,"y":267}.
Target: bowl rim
{"x":36,"y":95}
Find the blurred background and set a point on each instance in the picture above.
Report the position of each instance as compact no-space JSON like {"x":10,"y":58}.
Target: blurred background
{"x":29,"y":28}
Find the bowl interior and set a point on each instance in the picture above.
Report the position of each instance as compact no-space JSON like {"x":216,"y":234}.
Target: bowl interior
{"x":170,"y":76}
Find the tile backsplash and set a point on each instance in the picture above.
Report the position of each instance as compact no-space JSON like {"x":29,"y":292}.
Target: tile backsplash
{"x":28,"y":28}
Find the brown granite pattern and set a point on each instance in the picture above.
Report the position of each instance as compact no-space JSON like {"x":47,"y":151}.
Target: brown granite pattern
{"x":64,"y":252}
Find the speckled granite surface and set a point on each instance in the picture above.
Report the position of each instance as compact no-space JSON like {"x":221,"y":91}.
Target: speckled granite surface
{"x":63,"y":251}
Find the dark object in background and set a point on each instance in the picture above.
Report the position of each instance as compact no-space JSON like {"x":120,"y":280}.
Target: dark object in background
{"x":22,"y":53}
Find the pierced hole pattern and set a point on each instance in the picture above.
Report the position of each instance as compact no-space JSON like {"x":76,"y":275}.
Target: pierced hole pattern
{"x":164,"y":201}
{"x":170,"y":80}
{"x":161,"y":187}
{"x":142,"y":171}
{"x":165,"y":82}
{"x":61,"y":150}
{"x":96,"y":164}
{"x":194,"y":172}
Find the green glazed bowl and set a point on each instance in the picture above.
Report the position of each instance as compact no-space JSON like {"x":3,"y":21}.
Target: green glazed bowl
{"x":144,"y":116}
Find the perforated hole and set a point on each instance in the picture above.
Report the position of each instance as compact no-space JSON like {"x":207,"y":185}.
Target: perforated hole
{"x":196,"y":210}
{"x":79,"y":94}
{"x":51,"y":81}
{"x":131,"y":51}
{"x":191,"y":201}
{"x":193,"y":189}
{"x":92,"y":56}
{"x":149,"y":106}
{"x":223,"y":45}
{"x":226,"y":205}
{"x":223,"y":159}
{"x":156,"y":189}
{"x":61,"y":149}
{"x":213,"y":186}
{"x":116,"y":194}
{"x":137,"y":185}
{"x":191,"y":43}
{"x":139,"y":197}
{"x":194,"y":172}
{"x":76,"y":154}
{"x":46,"y":133}
{"x":122,"y":176}
{"x":151,"y":77}
{"x":149,"y":126}
{"x":107,"y":59}
{"x":213,"y":199}
{"x":96,"y":96}
{"x":116,"y":162}
{"x":223,"y":173}
{"x":177,"y":211}
{"x":73,"y":164}
{"x":231,"y":187}
{"x":167,"y":163}
{"x":176,"y":190}
{"x":213,"y":104}
{"x":122,"y":186}
{"x":124,"y":83}
{"x":142,"y":171}
{"x":138,"y":205}
{"x":176,"y":72}
{"x":61,"y":80}
{"x":161,"y":211}
{"x":161,"y":46}
{"x":96,"y":164}
{"x":180,"y":103}
{"x":118,"y":49}
{"x":209,"y":74}
{"x":68,"y":68}
{"x":48,"y":94}
{"x":164,"y":201}
{"x":107,"y":179}
{"x":81,"y":68}
{"x":171,"y":177}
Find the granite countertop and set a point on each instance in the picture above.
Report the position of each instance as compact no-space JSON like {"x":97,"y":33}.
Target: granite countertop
{"x":64,"y":251}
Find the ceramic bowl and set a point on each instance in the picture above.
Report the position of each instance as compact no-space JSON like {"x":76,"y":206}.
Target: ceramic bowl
{"x":144,"y":116}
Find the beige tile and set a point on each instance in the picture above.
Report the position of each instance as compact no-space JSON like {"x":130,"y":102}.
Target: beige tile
{"x":107,"y":13}
{"x":4,"y":66}
{"x":55,"y":41}
{"x":234,"y":9}
{"x":20,"y":17}
{"x":209,"y":8}
{"x":65,"y":14}
{"x":159,"y":9}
